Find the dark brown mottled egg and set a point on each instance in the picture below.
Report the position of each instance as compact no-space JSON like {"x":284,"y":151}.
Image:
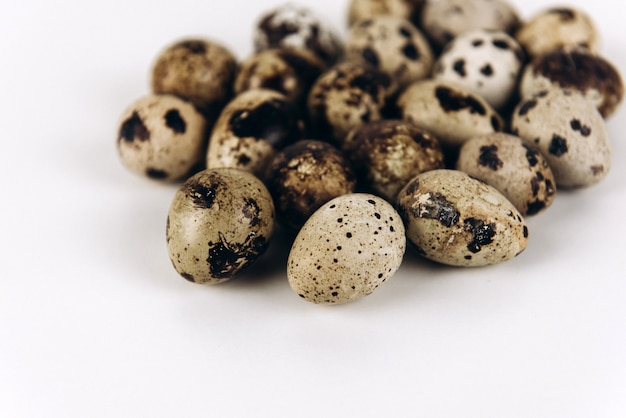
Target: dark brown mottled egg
{"x":304,"y":176}
{"x":251,"y":129}
{"x":290,"y":71}
{"x":220,"y":222}
{"x":387,"y":154}
{"x":595,"y":77}
{"x":346,"y":96}
{"x":162,"y":137}
{"x":199,"y":70}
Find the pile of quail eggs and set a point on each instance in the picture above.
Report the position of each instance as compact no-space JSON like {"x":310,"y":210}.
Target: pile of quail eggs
{"x":444,"y":123}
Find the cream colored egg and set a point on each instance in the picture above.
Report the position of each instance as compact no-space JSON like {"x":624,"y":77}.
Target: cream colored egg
{"x":346,"y":250}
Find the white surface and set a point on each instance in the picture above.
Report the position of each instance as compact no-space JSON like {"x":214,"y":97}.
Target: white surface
{"x":94,"y":322}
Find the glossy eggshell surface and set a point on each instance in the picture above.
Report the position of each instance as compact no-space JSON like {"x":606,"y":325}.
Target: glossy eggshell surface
{"x":449,"y":111}
{"x":162,"y":137}
{"x":514,"y":167}
{"x":220,"y":221}
{"x":457,"y":220}
{"x":251,"y":129}
{"x":569,"y":132}
{"x":346,"y":250}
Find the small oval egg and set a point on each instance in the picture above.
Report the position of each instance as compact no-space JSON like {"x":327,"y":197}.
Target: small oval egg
{"x":346,"y":96}
{"x":578,"y":69}
{"x":454,"y":219}
{"x":199,"y":70}
{"x":514,"y":167}
{"x":251,"y":129}
{"x":304,"y":176}
{"x":387,"y":154}
{"x":486,"y":62}
{"x":393,"y":46}
{"x":449,"y":111}
{"x":346,"y":250}
{"x":570,"y":133}
{"x":556,"y":28}
{"x":162,"y":137}
{"x":220,"y":221}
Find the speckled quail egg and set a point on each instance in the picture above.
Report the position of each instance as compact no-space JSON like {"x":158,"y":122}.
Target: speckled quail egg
{"x":454,"y":219}
{"x":366,"y":9}
{"x":393,"y":46}
{"x":304,"y":176}
{"x":346,"y":96}
{"x":251,"y":129}
{"x":294,"y":26}
{"x":443,"y":20}
{"x":449,"y":111}
{"x":199,"y":70}
{"x":290,"y":71}
{"x":514,"y":167}
{"x":220,"y":221}
{"x":579,"y":69}
{"x":556,"y":28}
{"x":162,"y":137}
{"x":569,"y":132}
{"x":346,"y":250}
{"x":387,"y":154}
{"x":486,"y":62}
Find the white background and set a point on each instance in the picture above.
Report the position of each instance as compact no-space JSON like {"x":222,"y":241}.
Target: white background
{"x":94,"y":322}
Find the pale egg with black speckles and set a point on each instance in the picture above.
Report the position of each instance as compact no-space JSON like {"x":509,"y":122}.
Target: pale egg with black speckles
{"x":346,"y":250}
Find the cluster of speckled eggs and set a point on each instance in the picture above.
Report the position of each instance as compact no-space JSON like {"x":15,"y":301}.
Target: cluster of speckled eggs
{"x":441,"y":122}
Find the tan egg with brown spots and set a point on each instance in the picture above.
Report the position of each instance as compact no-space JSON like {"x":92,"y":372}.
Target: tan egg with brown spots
{"x":346,"y":96}
{"x":291,"y":25}
{"x":393,"y":46}
{"x":556,"y":28}
{"x":366,"y":9}
{"x":515,"y":168}
{"x":387,"y":154}
{"x":219,"y":223}
{"x":486,"y":62}
{"x":199,"y":70}
{"x":595,"y":77}
{"x":457,"y":220}
{"x":304,"y":176}
{"x":443,"y":20}
{"x":291,"y":72}
{"x":162,"y":137}
{"x":569,"y":132}
{"x":347,"y":249}
{"x":452,"y":113}
{"x":251,"y":129}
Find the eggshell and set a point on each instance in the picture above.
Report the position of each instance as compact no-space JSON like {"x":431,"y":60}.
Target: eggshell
{"x":514,"y":167}
{"x":569,"y":132}
{"x":220,"y":221}
{"x":251,"y":129}
{"x":454,"y":219}
{"x":449,"y":111}
{"x":346,"y":250}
